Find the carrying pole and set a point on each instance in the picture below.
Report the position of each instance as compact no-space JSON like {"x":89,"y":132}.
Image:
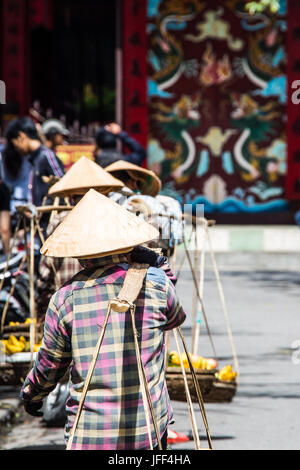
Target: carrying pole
{"x":188,"y":397}
{"x":223,"y":302}
{"x":197,"y":387}
{"x":31,"y":289}
{"x":195,"y":303}
{"x":201,"y":289}
{"x":199,"y":298}
{"x":145,"y":390}
{"x":88,"y":378}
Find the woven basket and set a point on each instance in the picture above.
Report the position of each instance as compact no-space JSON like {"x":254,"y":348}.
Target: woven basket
{"x":221,"y":392}
{"x":212,"y":389}
{"x":22,"y":329}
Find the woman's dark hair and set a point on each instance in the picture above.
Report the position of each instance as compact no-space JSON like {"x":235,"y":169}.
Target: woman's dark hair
{"x":23,"y":124}
{"x":11,"y":158}
{"x":105,"y":139}
{"x":121,"y":175}
{"x":125,"y":177}
{"x":12,"y":161}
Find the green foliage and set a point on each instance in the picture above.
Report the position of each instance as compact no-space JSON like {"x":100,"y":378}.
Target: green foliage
{"x":261,"y":5}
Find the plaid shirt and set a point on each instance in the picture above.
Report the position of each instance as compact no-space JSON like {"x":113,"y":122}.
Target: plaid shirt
{"x":113,"y":416}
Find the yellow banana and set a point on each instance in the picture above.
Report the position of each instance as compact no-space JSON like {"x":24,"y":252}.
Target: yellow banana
{"x":13,"y":340}
{"x":174,"y":359}
{"x":226,"y":374}
{"x":10,"y":349}
{"x":13,"y":345}
{"x":37,"y":347}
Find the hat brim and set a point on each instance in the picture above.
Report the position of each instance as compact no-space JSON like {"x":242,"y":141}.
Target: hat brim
{"x":97,"y":227}
{"x":81,"y":177}
{"x":150,"y":183}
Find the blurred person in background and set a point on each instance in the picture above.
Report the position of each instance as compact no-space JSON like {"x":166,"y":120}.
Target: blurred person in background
{"x":23,"y":138}
{"x":55,"y":133}
{"x":5,"y":230}
{"x":23,"y":142}
{"x":15,"y":171}
{"x":106,"y":151}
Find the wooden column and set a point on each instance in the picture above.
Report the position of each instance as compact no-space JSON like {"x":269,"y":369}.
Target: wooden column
{"x":15,"y":54}
{"x":134,"y":80}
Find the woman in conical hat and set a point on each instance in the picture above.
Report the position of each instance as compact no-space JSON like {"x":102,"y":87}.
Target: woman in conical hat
{"x":97,"y":227}
{"x":103,"y":235}
{"x":135,"y":177}
{"x":161,"y":211}
{"x":82,"y":176}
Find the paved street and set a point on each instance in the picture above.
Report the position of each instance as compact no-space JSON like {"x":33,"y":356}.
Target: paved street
{"x":265,"y":321}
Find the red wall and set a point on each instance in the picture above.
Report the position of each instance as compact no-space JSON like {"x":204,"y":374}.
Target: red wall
{"x":135,"y":112}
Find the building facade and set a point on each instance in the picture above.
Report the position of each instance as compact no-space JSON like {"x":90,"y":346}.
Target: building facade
{"x":210,"y":90}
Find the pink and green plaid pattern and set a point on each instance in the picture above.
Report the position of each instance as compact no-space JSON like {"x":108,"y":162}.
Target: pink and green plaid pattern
{"x":113,"y":416}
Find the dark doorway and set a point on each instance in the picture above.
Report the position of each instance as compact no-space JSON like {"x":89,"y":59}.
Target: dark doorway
{"x":73,"y":65}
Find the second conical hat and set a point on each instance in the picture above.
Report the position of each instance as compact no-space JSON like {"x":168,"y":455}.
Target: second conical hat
{"x":82,"y":176}
{"x":97,"y":227}
{"x":150,"y":182}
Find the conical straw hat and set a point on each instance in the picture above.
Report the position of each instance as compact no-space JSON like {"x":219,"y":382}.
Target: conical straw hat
{"x":151,"y":184}
{"x":82,"y":176}
{"x":97,"y":227}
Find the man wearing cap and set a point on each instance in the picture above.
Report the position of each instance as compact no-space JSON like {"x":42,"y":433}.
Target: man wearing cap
{"x":55,"y":133}
{"x":103,"y":235}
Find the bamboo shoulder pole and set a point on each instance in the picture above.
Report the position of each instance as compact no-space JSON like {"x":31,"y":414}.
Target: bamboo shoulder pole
{"x":31,"y":289}
{"x":223,"y":302}
{"x":195,"y":302}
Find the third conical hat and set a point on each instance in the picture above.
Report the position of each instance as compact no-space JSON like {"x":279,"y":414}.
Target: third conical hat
{"x":82,"y":176}
{"x":150,"y":182}
{"x":97,"y":227}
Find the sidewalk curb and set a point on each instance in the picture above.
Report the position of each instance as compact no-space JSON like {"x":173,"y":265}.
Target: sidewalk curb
{"x":254,"y":239}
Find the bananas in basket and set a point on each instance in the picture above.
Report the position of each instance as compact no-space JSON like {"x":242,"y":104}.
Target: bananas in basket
{"x":198,"y":362}
{"x":226,"y":374}
{"x":15,"y":345}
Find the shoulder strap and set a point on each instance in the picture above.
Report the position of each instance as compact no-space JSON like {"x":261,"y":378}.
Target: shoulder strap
{"x":132,"y":286}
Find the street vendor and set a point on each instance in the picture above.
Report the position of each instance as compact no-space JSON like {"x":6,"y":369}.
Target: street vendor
{"x":103,"y":235}
{"x":82,"y":176}
{"x":161,"y":211}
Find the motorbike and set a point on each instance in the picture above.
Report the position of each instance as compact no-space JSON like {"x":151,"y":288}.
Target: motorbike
{"x":18,"y":302}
